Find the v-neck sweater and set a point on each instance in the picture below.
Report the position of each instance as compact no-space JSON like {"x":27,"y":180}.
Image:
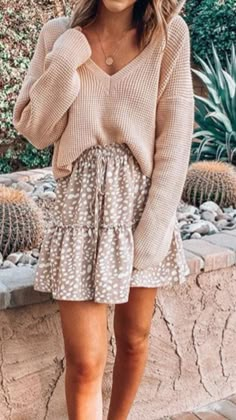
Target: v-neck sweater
{"x":67,"y":100}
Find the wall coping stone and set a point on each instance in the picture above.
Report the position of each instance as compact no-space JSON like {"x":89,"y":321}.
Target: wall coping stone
{"x":211,"y":252}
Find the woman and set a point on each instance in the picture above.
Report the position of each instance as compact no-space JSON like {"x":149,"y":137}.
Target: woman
{"x":111,"y":88}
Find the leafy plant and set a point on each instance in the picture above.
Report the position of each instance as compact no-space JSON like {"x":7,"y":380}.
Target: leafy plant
{"x":20,"y":23}
{"x":211,"y":21}
{"x":215,"y":136}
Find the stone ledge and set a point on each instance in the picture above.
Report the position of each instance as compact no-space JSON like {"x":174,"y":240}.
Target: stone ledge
{"x":30,"y":175}
{"x":191,"y":359}
{"x":211,"y":252}
{"x":213,"y":256}
{"x":16,"y":288}
{"x":203,"y":255}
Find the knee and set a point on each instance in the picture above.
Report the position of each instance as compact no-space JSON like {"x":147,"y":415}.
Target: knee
{"x":85,"y":368}
{"x":133,"y":343}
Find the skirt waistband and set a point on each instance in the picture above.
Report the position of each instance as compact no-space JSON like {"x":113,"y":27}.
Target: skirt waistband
{"x":114,"y":150}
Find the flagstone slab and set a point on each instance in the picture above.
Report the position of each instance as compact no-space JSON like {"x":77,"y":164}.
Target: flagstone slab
{"x":214,"y":256}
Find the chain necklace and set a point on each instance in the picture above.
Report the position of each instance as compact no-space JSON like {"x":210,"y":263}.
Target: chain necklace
{"x":109,"y":60}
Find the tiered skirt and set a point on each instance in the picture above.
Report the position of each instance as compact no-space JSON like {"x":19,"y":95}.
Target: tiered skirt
{"x":87,"y":251}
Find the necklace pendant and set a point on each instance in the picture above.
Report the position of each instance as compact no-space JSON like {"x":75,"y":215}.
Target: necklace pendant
{"x":109,"y":61}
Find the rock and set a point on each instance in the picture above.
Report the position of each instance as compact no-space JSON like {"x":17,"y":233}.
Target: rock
{"x":197,"y":216}
{"x":190,"y":209}
{"x":7,"y":264}
{"x":181,"y":216}
{"x":209,"y":215}
{"x":39,"y":191}
{"x":196,"y":235}
{"x":33,"y":261}
{"x":230,"y":216}
{"x":21,"y":185}
{"x":189,"y":216}
{"x":203,"y":227}
{"x":5,"y":180}
{"x":48,"y":186}
{"x":186,"y":236}
{"x":25,"y":258}
{"x":228,"y":209}
{"x":48,"y":194}
{"x":183,"y":223}
{"x":211,"y":206}
{"x":35,"y":253}
{"x":220,"y":224}
{"x":14,"y":257}
{"x":225,"y":216}
{"x":231,"y":224}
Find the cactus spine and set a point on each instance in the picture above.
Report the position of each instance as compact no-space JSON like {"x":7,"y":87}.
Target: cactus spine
{"x":210,"y":180}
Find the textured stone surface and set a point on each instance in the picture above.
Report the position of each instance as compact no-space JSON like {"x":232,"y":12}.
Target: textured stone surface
{"x":29,"y":175}
{"x":223,"y":409}
{"x":191,"y":355}
{"x":223,"y":240}
{"x":214,"y":256}
{"x":16,"y":287}
{"x":195,"y":262}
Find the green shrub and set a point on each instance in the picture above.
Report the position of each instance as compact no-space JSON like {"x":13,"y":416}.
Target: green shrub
{"x":211,"y":21}
{"x":20,"y":23}
{"x":215,"y":136}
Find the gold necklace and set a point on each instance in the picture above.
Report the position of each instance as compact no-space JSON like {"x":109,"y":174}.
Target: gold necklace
{"x":109,"y":60}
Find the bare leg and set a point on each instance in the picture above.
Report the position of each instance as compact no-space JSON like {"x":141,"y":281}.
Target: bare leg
{"x":132,"y":321}
{"x":84,"y":325}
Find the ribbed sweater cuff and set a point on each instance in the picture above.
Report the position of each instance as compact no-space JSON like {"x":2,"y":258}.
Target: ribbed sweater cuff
{"x":151,"y":244}
{"x":73,"y":47}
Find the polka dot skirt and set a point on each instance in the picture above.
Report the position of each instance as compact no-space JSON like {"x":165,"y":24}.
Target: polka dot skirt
{"x":87,"y":251}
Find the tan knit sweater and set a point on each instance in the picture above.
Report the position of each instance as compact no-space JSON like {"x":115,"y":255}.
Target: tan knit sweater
{"x":67,"y":100}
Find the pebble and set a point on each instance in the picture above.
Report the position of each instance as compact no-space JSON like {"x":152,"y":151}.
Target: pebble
{"x":35,"y":253}
{"x":6,"y":181}
{"x":193,"y":222}
{"x":21,"y":185}
{"x":7,"y":264}
{"x":221,"y":224}
{"x":211,"y":206}
{"x":209,"y":215}
{"x":26,"y":259}
{"x":196,"y":235}
{"x":49,"y":194}
{"x":14,"y":257}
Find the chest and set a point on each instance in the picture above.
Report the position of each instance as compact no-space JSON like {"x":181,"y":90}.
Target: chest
{"x":126,"y":99}
{"x":119,"y":53}
{"x":135,"y":81}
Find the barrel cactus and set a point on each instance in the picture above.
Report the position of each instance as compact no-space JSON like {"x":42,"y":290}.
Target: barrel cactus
{"x":210,"y":181}
{"x":22,"y":226}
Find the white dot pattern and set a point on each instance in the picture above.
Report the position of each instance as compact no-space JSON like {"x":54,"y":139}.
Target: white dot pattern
{"x":87,"y":251}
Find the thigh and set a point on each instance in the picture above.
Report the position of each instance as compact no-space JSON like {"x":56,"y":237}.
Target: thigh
{"x":84,"y":326}
{"x":132,"y":319}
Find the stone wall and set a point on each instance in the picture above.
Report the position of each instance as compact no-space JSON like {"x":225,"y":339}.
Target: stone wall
{"x":191,"y":355}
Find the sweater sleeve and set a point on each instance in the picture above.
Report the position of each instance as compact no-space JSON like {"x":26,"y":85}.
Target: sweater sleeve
{"x":50,"y":86}
{"x":174,"y":128}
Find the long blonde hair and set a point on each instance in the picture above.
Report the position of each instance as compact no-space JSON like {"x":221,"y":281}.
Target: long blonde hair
{"x":149,"y":16}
